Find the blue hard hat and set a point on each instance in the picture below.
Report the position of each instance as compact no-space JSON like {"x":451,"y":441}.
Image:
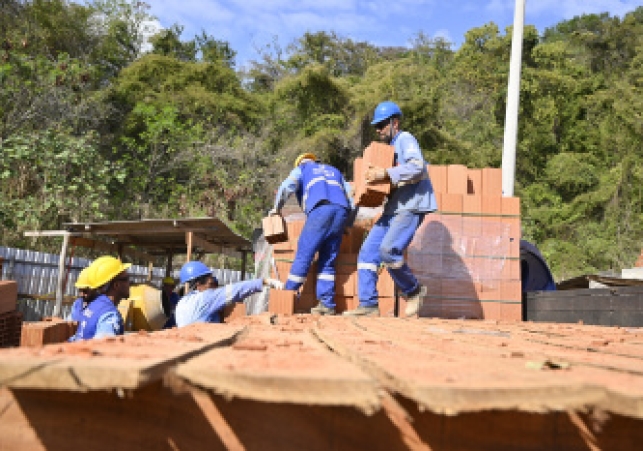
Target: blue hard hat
{"x":192,"y":270}
{"x":385,"y":110}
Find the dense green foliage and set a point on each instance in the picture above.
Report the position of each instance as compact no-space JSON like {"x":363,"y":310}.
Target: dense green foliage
{"x":94,"y":128}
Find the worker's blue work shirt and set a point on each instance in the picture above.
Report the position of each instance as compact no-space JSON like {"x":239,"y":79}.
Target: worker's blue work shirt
{"x":413,"y":190}
{"x":205,"y":306}
{"x":100,"y":318}
{"x":173,"y":300}
{"x":313,"y":183}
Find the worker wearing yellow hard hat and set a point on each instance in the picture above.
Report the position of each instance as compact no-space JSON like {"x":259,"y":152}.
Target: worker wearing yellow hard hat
{"x":99,"y":317}
{"x":84,"y":293}
{"x":326,"y":199}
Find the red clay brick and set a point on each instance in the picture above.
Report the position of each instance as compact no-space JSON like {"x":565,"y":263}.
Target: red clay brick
{"x":474,"y":181}
{"x":456,"y":179}
{"x":274,"y":229}
{"x":438,"y":175}
{"x":234,"y":311}
{"x":346,"y":284}
{"x":492,"y":182}
{"x":281,"y":301}
{"x":472,"y":204}
{"x":511,"y":312}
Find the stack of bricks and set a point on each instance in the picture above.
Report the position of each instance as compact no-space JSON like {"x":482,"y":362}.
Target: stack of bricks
{"x":468,"y":252}
{"x":10,"y":317}
{"x":51,"y":330}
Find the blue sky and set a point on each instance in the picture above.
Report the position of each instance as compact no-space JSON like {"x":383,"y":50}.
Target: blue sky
{"x":249,"y":25}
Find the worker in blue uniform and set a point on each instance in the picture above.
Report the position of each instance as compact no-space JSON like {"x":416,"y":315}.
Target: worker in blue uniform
{"x":99,"y":317}
{"x":203,"y":303}
{"x":411,"y":198}
{"x":85,"y":294}
{"x":325,"y":197}
{"x":169,"y":300}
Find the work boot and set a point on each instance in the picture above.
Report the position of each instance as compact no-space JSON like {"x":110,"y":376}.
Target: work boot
{"x":363,"y":310}
{"x":414,"y":301}
{"x":321,"y":309}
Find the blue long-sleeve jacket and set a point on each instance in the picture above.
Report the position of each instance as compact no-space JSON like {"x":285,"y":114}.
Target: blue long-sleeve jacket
{"x":205,"y":306}
{"x":296,"y":183}
{"x":410,"y":178}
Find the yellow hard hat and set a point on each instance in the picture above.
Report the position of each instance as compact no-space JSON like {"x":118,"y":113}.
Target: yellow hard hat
{"x":305,"y":156}
{"x":104,"y":269}
{"x":83,"y":279}
{"x":169,"y":281}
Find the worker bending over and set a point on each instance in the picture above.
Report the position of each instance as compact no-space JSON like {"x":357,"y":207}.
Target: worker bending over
{"x":204,"y":302}
{"x":411,"y":198}
{"x":98,"y":316}
{"x":323,"y":194}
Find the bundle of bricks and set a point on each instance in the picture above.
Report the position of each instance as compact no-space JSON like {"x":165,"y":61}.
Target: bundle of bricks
{"x":10,"y":317}
{"x":468,"y":252}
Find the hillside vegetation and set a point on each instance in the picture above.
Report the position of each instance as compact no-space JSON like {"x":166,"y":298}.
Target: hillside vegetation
{"x":92,"y":128}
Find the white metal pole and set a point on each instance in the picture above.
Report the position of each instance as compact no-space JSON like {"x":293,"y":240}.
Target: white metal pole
{"x":61,"y":276}
{"x":513,"y":100}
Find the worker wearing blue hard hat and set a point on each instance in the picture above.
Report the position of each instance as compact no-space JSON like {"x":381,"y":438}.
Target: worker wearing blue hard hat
{"x":411,"y":199}
{"x":204,"y":302}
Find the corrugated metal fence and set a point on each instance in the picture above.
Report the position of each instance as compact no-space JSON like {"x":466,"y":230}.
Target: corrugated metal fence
{"x":37,"y":273}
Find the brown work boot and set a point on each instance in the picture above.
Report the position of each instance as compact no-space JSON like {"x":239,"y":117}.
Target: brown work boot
{"x":321,"y":309}
{"x":414,"y":301}
{"x":362,"y":310}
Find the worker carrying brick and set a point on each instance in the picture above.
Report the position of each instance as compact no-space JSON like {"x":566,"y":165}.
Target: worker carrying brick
{"x":324,"y":196}
{"x":99,"y":317}
{"x":204,"y":302}
{"x":411,"y":198}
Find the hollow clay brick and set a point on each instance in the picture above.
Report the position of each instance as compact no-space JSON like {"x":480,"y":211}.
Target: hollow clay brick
{"x":438,"y":176}
{"x":472,"y":204}
{"x":492,"y":182}
{"x":385,"y":284}
{"x":281,"y":301}
{"x":274,"y":229}
{"x":234,"y":311}
{"x":343,"y":303}
{"x":474,"y":181}
{"x":456,"y":179}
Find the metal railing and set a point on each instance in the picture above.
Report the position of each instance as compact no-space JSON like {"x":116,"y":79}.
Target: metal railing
{"x":36,"y":274}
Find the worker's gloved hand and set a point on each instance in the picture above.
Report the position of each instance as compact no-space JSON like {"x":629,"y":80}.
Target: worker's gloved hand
{"x":273,"y":283}
{"x":273,"y":212}
{"x":376,"y":174}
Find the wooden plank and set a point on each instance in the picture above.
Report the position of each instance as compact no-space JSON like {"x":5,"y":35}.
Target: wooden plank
{"x":128,"y":361}
{"x":282,"y":365}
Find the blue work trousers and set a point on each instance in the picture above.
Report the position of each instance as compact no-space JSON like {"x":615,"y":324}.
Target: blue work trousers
{"x":386,"y":243}
{"x":322,"y":233}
